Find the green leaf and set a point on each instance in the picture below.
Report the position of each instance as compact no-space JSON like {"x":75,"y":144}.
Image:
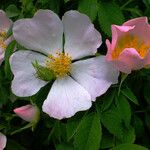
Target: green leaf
{"x":109,"y":13}
{"x":147,"y":120}
{"x":128,"y":136}
{"x":107,"y":141}
{"x":8,"y":52}
{"x":89,"y":7}
{"x":4,"y":95}
{"x":12,"y":11}
{"x":89,"y":134}
{"x":139,"y":127}
{"x":64,"y":147}
{"x":129,"y":147}
{"x":129,"y":94}
{"x":113,"y":122}
{"x":147,"y":92}
{"x":108,"y":99}
{"x":124,"y":109}
{"x":13,"y":145}
{"x":72,"y":126}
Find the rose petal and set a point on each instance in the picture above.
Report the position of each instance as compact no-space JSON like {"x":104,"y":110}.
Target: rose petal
{"x":3,"y":141}
{"x":66,"y":97}
{"x":25,"y":82}
{"x":129,"y":60}
{"x":42,"y":33}
{"x":81,"y":38}
{"x":142,"y":28}
{"x":95,"y":75}
{"x":28,"y":112}
{"x":5,"y":22}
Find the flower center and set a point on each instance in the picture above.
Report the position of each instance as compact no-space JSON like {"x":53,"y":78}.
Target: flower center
{"x":60,"y":64}
{"x":3,"y":35}
{"x":130,"y":41}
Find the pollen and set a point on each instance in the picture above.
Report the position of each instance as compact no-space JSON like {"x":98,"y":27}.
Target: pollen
{"x":130,"y":41}
{"x":2,"y":44}
{"x":59,"y":64}
{"x":3,"y":35}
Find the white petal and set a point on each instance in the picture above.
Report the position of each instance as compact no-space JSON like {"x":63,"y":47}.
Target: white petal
{"x":95,"y":75}
{"x":81,"y":38}
{"x":66,"y":97}
{"x":25,"y":82}
{"x":5,"y":22}
{"x":41,"y":33}
{"x":3,"y":141}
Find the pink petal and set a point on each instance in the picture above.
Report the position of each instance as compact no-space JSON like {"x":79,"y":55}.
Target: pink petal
{"x":142,"y":28}
{"x":25,"y":82}
{"x":66,"y":97}
{"x":41,"y":33}
{"x":81,"y":38}
{"x":129,"y":60}
{"x":3,"y":141}
{"x":5,"y":22}
{"x":96,"y":75}
{"x":28,"y":113}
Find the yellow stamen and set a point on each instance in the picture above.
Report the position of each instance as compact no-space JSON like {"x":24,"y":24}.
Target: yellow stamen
{"x":2,"y":44}
{"x":130,"y":41}
{"x":60,"y":65}
{"x":3,"y":33}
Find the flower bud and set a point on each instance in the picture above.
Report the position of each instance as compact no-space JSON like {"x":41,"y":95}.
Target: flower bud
{"x":29,"y":113}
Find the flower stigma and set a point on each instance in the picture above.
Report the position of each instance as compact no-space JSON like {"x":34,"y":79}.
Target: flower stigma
{"x":130,"y":41}
{"x":59,"y":64}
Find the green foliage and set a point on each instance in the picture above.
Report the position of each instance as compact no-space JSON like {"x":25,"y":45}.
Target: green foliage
{"x":108,"y":14}
{"x":89,"y":133}
{"x":12,"y":11}
{"x":129,"y":147}
{"x":89,"y":7}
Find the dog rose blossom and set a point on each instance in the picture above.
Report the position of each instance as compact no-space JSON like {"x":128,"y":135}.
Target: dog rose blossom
{"x":3,"y":141}
{"x":5,"y":24}
{"x":130,"y":46}
{"x":77,"y":82}
{"x":29,"y":113}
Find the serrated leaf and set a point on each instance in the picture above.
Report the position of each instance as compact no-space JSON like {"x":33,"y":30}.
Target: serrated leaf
{"x":107,"y":100}
{"x":64,"y":147}
{"x":147,"y":120}
{"x":72,"y":126}
{"x":12,"y":11}
{"x":129,"y":147}
{"x":8,"y":52}
{"x":124,"y":109}
{"x":113,"y":122}
{"x":13,"y":145}
{"x":139,"y":127}
{"x":129,"y":94}
{"x":107,"y":141}
{"x":89,"y":7}
{"x":147,"y":93}
{"x":109,"y":13}
{"x":129,"y":136}
{"x":89,"y":134}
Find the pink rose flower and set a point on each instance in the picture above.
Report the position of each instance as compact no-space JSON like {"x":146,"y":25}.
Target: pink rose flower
{"x":77,"y":82}
{"x":129,"y":49}
{"x":28,"y":113}
{"x":5,"y":24}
